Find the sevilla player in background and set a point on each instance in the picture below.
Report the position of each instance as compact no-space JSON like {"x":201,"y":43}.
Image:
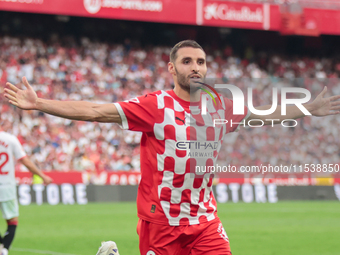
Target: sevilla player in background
{"x":10,"y":152}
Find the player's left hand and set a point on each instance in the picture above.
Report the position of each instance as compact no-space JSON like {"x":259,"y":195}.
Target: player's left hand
{"x":47,"y":180}
{"x":322,"y":106}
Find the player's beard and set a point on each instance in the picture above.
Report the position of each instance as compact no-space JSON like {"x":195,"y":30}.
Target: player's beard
{"x":185,"y":83}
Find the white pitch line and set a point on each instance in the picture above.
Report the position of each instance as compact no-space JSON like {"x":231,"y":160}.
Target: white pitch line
{"x":40,"y":251}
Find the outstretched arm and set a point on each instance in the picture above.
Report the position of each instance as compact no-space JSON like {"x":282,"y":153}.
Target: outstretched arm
{"x":74,"y":110}
{"x":34,"y":169}
{"x":320,"y":107}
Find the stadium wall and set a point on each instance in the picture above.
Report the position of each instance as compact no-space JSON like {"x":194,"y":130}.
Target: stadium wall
{"x":82,"y":194}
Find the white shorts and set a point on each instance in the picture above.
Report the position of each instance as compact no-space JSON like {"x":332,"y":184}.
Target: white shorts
{"x":9,"y":209}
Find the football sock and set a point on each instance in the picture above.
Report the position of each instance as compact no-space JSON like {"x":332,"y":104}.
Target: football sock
{"x":9,"y":235}
{"x":0,"y":239}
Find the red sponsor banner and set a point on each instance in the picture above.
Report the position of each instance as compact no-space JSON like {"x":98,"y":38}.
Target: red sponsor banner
{"x":239,"y":15}
{"x":133,"y":178}
{"x":326,"y":21}
{"x":73,"y":177}
{"x":111,"y":178}
{"x":284,"y":179}
{"x":172,"y":11}
{"x":337,"y":180}
{"x":307,"y":24}
{"x":201,"y":12}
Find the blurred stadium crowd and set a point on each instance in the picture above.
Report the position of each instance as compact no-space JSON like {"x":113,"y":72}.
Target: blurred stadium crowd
{"x":104,"y":73}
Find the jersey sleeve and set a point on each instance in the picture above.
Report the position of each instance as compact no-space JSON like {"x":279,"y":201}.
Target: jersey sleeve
{"x":236,"y":120}
{"x":138,"y":114}
{"x":18,"y":150}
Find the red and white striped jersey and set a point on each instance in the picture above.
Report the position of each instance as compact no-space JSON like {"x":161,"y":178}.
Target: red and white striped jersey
{"x":176,"y":139}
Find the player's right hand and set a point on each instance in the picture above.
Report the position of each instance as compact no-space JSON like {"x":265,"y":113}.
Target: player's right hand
{"x":24,"y":99}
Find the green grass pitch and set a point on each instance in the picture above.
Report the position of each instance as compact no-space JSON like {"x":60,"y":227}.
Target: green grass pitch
{"x":301,"y":228}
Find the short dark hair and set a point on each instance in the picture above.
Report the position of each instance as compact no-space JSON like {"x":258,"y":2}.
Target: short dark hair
{"x":183,"y":44}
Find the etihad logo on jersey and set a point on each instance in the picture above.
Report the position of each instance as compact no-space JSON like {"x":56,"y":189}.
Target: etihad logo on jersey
{"x":197,"y":145}
{"x":94,"y":6}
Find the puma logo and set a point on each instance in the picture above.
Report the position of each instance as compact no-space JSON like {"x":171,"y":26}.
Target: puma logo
{"x":177,"y":118}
